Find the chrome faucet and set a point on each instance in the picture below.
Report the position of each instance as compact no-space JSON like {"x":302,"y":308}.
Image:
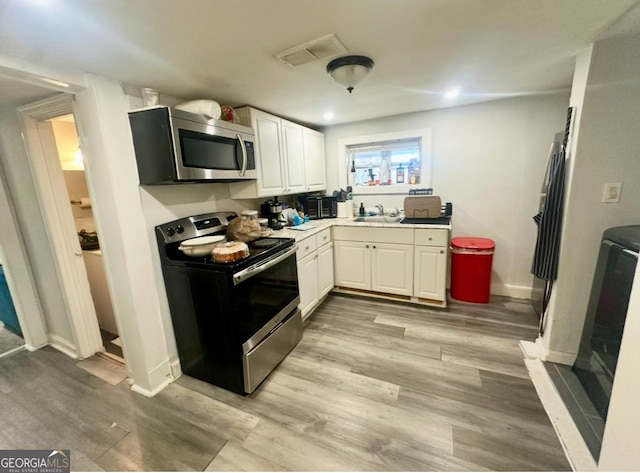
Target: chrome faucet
{"x":380,"y":208}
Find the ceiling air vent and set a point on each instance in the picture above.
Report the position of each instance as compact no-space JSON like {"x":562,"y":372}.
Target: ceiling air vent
{"x":320,"y":48}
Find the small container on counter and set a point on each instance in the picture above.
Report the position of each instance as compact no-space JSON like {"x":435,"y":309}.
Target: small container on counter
{"x":252,"y":214}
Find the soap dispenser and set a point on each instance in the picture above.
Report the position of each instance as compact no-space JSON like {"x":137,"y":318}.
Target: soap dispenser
{"x":361,"y":209}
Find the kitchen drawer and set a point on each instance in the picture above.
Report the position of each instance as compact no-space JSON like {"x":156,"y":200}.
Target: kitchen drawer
{"x":427,"y":237}
{"x":323,"y":237}
{"x":306,"y":247}
{"x":374,"y":234}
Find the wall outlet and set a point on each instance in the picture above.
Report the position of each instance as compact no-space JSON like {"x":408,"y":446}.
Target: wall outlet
{"x":611,"y":193}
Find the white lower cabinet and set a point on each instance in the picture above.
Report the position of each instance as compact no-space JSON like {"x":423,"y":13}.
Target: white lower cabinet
{"x":392,"y":268}
{"x":430,"y":278}
{"x":325,"y":269}
{"x":315,"y":270}
{"x":430,"y":272}
{"x":353,"y":264}
{"x":379,"y":267}
{"x":308,"y":282}
{"x":374,"y":259}
{"x":393,"y":261}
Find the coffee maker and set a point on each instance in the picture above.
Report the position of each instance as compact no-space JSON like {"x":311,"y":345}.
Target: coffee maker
{"x":272,"y":210}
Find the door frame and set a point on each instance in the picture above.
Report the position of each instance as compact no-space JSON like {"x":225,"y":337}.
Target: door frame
{"x":65,"y":246}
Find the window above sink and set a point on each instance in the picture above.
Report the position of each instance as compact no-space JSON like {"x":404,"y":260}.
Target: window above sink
{"x":387,"y":163}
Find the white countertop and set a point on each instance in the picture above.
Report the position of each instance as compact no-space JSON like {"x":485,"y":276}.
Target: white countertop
{"x":319,"y":225}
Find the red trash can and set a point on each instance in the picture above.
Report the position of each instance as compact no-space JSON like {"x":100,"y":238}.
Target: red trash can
{"x":471,"y":260}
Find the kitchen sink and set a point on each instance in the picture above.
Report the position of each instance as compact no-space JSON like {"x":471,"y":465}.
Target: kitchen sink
{"x":378,"y":219}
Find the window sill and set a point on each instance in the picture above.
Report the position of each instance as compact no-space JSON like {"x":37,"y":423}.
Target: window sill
{"x":402,"y":189}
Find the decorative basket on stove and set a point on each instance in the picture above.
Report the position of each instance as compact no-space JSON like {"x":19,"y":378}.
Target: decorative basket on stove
{"x":88,"y":240}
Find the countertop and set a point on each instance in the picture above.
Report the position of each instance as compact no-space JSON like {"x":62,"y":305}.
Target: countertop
{"x":319,"y":225}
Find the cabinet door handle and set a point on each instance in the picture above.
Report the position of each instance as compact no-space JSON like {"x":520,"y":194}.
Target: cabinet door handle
{"x":441,"y":252}
{"x":366,"y":246}
{"x":306,"y":248}
{"x":430,"y":238}
{"x":374,"y":247}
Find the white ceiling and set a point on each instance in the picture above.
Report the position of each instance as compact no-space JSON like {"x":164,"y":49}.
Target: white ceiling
{"x":223,"y":49}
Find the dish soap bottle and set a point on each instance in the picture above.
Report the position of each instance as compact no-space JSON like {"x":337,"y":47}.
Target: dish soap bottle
{"x":361,"y":210}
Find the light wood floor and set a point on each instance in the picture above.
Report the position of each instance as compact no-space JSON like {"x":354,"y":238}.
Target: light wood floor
{"x":373,"y":386}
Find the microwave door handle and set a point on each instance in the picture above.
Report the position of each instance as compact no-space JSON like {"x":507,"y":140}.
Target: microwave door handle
{"x":244,"y":155}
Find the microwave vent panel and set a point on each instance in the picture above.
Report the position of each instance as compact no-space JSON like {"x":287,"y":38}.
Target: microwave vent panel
{"x":320,"y":48}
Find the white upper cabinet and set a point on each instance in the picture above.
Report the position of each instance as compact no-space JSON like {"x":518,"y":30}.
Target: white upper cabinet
{"x":269,"y":159}
{"x":314,"y":158}
{"x":289,"y":157}
{"x":294,"y":159}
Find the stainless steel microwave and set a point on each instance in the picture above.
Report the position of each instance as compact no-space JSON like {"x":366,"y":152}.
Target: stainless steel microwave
{"x":176,"y":146}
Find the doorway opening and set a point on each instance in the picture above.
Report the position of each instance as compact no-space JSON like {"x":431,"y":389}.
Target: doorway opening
{"x":70,"y":158}
{"x":11,"y":339}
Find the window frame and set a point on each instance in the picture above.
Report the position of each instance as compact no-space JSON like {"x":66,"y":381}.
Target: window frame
{"x":424,"y":134}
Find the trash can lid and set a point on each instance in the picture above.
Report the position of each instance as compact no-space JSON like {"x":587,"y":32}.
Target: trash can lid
{"x":473,"y":243}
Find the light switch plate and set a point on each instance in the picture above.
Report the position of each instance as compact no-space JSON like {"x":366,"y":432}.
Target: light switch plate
{"x":611,"y":192}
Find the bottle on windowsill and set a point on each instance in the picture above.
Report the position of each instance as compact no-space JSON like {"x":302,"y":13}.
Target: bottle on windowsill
{"x":400,"y":175}
{"x":412,"y":173}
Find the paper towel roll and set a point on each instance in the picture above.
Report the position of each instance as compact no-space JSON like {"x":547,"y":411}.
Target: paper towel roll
{"x":349,"y":205}
{"x":85,"y":203}
{"x":342,"y":210}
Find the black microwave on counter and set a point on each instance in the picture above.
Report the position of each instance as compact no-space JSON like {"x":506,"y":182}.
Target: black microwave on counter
{"x":317,"y":207}
{"x":173,"y":146}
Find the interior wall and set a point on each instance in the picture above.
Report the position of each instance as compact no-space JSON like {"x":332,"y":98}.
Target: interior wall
{"x":162,"y":204}
{"x":488,"y":160}
{"x":19,"y":179}
{"x":17,"y":268}
{"x":73,"y":170}
{"x":606,"y":151}
{"x":100,"y":109}
{"x":67,"y":144}
{"x":101,"y":113}
{"x":76,"y":183}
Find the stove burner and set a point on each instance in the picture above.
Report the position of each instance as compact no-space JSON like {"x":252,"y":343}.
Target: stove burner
{"x":265,"y":243}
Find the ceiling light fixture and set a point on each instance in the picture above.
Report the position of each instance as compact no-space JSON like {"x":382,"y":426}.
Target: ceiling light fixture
{"x":348,"y":71}
{"x":452,"y":94}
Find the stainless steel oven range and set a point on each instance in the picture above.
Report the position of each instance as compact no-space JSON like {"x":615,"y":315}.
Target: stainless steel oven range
{"x":233,"y":322}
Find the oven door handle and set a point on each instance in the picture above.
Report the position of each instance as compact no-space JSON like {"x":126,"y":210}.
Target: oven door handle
{"x":251,"y":271}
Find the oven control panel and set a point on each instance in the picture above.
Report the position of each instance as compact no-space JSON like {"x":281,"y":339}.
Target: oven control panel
{"x":195,"y":226}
